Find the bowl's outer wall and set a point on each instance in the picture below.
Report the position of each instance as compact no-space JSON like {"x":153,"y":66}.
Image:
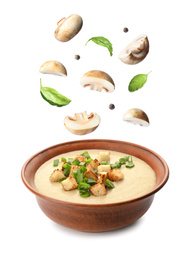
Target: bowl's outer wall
{"x":95,"y":218}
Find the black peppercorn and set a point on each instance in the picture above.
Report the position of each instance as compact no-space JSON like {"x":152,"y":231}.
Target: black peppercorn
{"x":111,"y":106}
{"x":125,"y":29}
{"x":77,"y":57}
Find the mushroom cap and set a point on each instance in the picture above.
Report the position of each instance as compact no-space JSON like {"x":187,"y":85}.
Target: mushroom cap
{"x":82,"y":123}
{"x":136,"y":116}
{"x":53,"y":67}
{"x":136,"y":51}
{"x":98,"y":80}
{"x":68,"y":27}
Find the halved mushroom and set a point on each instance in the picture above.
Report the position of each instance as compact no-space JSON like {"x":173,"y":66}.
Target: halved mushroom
{"x":68,"y":27}
{"x":136,"y":116}
{"x":98,"y":80}
{"x":136,"y":51}
{"x":53,"y":67}
{"x":82,"y":123}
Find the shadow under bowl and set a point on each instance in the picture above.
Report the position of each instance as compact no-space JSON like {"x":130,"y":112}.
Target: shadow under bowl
{"x":95,"y":217}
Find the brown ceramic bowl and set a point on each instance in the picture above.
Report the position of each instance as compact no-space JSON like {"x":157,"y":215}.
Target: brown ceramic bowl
{"x":95,"y":217}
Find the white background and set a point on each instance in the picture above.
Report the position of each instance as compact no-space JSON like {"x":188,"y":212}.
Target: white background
{"x":29,"y":124}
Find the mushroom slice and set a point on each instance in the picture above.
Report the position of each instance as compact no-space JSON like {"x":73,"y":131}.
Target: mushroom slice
{"x":136,"y":116}
{"x":82,"y":123}
{"x":68,"y":27}
{"x":136,"y":51}
{"x":53,"y":67}
{"x":98,"y":80}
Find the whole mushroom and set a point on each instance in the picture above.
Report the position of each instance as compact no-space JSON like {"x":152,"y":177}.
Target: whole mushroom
{"x":98,"y":80}
{"x":82,"y":123}
{"x":53,"y":67}
{"x":68,"y":27}
{"x":136,"y":116}
{"x":136,"y":51}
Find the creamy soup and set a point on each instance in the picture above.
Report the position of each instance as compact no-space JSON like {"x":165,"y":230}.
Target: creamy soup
{"x":137,"y":181}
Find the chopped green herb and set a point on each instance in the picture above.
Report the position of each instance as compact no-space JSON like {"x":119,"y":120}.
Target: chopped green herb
{"x":79,"y":177}
{"x":74,"y":174}
{"x":116,"y":165}
{"x":85,"y":180}
{"x":76,"y":162}
{"x":104,"y":163}
{"x":70,"y":160}
{"x":62,"y":179}
{"x":56,"y":162}
{"x":130,"y":164}
{"x":91,"y":181}
{"x":88,"y":161}
{"x":63,"y":159}
{"x":84,"y":194}
{"x":109,"y":184}
{"x":83,"y":186}
{"x":86,"y":154}
{"x":83,"y":169}
{"x":66,"y":171}
{"x":123,"y":160}
{"x":66,"y":166}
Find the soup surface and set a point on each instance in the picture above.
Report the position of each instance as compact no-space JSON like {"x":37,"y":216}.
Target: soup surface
{"x":137,"y":181}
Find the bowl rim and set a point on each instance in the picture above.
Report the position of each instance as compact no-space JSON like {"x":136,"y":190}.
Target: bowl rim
{"x":91,"y":205}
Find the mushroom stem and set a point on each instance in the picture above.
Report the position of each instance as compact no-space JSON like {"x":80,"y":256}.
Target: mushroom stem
{"x":81,"y":116}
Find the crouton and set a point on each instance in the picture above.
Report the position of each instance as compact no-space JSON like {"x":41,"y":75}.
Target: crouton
{"x":98,"y":190}
{"x":81,"y":158}
{"x":115,"y":175}
{"x":90,"y":173}
{"x":60,"y":165}
{"x":56,"y":175}
{"x":102,"y":176}
{"x":74,"y":168}
{"x":69,"y":184}
{"x":104,"y":156}
{"x":95,"y":163}
{"x":104,"y":168}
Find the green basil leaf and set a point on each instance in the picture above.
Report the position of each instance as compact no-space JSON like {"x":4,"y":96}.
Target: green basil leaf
{"x":137,"y":82}
{"x":53,"y":97}
{"x":102,"y":41}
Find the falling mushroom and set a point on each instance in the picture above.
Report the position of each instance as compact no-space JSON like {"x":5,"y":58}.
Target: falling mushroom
{"x":136,"y":51}
{"x":68,"y":27}
{"x":82,"y":123}
{"x":98,"y":80}
{"x":136,"y":116}
{"x":53,"y":67}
